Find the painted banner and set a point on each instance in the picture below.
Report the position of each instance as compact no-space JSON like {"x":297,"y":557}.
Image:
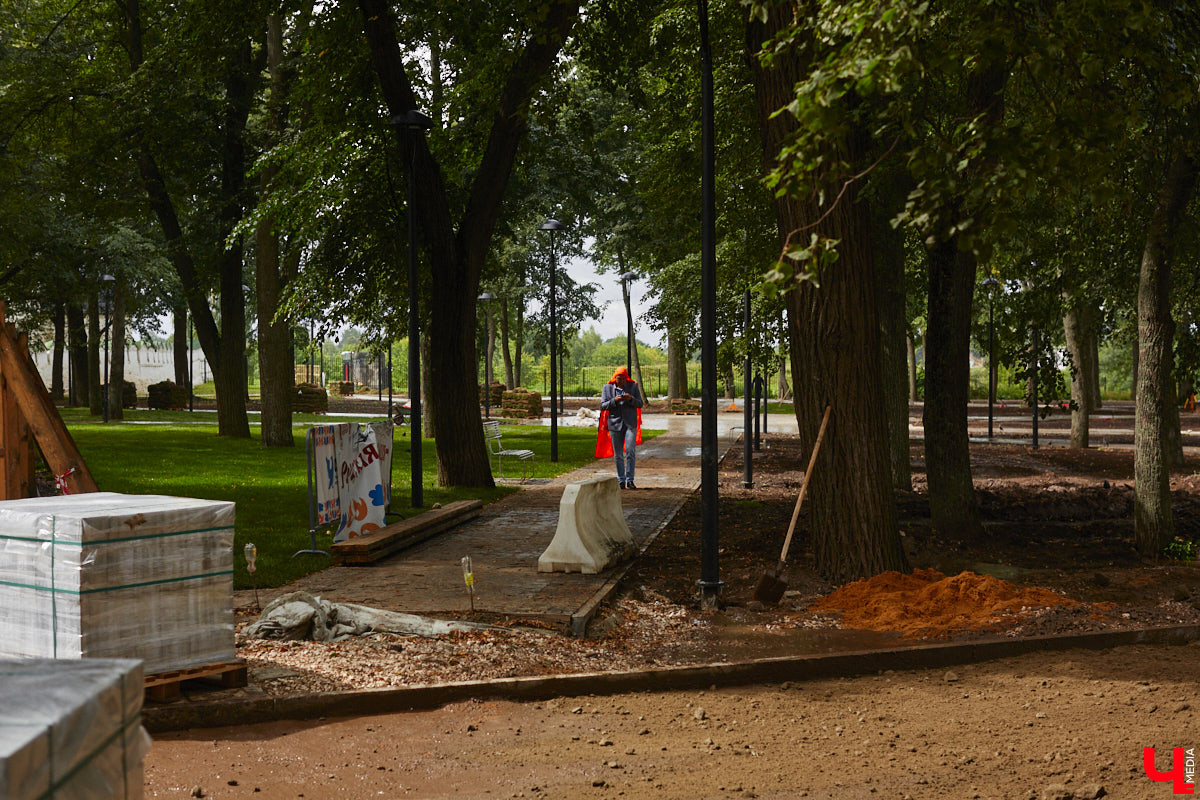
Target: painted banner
{"x":354,"y":476}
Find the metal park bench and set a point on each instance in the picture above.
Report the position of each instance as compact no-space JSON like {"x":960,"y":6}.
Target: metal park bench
{"x":491,"y":432}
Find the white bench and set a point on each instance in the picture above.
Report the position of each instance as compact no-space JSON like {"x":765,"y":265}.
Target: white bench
{"x":592,"y":534}
{"x":491,"y":432}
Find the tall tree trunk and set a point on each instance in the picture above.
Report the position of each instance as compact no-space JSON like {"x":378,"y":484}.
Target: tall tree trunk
{"x":429,"y":397}
{"x":1093,"y":355}
{"x":56,"y":363}
{"x":637,"y":368}
{"x":95,"y":373}
{"x":457,"y":256}
{"x":276,"y":373}
{"x":505,"y":345}
{"x":912,"y":369}
{"x":77,"y":341}
{"x":1078,"y":325}
{"x":952,"y":501}
{"x":1153,"y":522}
{"x":116,"y":362}
{"x":834,"y":344}
{"x":225,"y":348}
{"x":519,"y":341}
{"x":180,"y":346}
{"x":890,"y":291}
{"x":730,"y":384}
{"x":677,"y":381}
{"x":489,"y":364}
{"x":1171,"y":434}
{"x":1135,"y":372}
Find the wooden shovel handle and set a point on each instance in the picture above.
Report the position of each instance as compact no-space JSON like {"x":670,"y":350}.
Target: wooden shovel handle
{"x":812,"y":459}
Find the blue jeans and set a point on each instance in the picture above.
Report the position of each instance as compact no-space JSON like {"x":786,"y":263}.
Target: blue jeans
{"x":624,"y":445}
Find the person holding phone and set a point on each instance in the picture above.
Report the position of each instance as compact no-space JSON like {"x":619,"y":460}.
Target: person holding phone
{"x":621,"y":398}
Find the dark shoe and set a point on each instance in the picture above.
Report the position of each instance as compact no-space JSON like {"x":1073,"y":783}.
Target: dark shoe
{"x":630,"y":485}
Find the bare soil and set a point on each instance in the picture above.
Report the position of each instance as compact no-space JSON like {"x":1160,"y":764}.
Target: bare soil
{"x":1054,"y":518}
{"x":1053,"y":725}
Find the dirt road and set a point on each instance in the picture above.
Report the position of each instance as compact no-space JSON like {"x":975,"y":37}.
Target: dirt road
{"x":1058,"y":725}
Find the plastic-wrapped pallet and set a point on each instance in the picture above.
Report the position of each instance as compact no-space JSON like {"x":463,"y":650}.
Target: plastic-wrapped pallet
{"x":107,"y":575}
{"x":71,"y":730}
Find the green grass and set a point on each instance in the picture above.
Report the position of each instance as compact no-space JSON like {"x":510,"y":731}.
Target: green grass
{"x":269,"y":484}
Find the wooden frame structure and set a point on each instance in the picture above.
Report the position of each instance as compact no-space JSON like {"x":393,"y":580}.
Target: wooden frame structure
{"x":28,"y":415}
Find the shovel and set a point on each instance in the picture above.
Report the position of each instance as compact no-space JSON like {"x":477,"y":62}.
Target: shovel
{"x":772,"y":584}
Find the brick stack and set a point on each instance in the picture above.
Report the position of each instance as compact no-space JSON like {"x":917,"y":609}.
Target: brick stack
{"x":522,"y":404}
{"x":310,"y":399}
{"x":166,"y":395}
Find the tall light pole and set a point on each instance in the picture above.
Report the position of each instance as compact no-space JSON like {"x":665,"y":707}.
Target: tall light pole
{"x":710,"y":580}
{"x":191,"y":364}
{"x":1034,"y":358}
{"x":747,"y":444}
{"x":487,"y":298}
{"x":626,"y":277}
{"x":106,"y":295}
{"x":990,"y":283}
{"x":412,"y":125}
{"x":553,"y":225}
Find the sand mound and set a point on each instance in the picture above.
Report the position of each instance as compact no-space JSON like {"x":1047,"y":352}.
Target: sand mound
{"x":927,"y":603}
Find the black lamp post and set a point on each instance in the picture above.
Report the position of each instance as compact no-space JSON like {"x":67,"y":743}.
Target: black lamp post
{"x":413,"y":124}
{"x":747,"y":445}
{"x":626,"y":277}
{"x":991,"y":283}
{"x":1034,"y":358}
{"x":758,"y":393}
{"x":553,"y":225}
{"x":487,"y":298}
{"x":710,"y":580}
{"x":191,"y":366}
{"x":106,"y":294}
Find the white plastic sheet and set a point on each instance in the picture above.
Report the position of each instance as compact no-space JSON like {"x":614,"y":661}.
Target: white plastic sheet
{"x":107,"y":575}
{"x":71,"y":730}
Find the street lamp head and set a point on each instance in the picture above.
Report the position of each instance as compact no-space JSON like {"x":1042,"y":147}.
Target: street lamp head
{"x":412,"y":120}
{"x":990,"y":281}
{"x":486,"y":297}
{"x":628,"y":276}
{"x":108,"y":278}
{"x":551,"y":225}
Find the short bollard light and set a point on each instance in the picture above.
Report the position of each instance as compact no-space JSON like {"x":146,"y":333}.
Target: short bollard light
{"x":469,"y":579}
{"x":251,"y":554}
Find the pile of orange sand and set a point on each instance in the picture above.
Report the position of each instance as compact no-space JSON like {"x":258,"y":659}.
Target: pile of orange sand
{"x":927,"y":603}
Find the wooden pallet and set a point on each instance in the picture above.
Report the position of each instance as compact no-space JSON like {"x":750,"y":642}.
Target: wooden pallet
{"x":166,"y":687}
{"x":377,"y":544}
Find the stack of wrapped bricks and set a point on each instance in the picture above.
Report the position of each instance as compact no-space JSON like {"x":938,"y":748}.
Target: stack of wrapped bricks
{"x":71,"y":729}
{"x":106,"y":575}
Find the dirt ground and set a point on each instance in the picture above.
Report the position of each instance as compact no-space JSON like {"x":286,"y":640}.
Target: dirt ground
{"x":1061,"y":725}
{"x":1055,"y":725}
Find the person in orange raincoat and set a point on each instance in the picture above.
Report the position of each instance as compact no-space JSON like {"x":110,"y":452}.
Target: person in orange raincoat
{"x":620,"y":424}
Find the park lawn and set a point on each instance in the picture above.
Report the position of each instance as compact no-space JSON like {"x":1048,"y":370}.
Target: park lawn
{"x":269,"y":485}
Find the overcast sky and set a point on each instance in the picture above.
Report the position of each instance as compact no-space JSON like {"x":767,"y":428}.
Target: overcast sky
{"x":612,"y":320}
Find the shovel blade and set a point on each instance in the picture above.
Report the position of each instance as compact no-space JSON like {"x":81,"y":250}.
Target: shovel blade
{"x":771,"y":586}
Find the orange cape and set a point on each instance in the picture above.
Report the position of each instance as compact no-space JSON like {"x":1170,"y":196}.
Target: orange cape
{"x":604,"y":441}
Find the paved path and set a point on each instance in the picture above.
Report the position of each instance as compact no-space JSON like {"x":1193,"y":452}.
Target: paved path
{"x":505,"y":541}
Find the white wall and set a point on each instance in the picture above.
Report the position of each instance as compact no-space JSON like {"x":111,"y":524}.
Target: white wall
{"x":143,"y":366}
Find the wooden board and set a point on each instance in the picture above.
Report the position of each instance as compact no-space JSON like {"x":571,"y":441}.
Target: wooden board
{"x":22,"y":382}
{"x":383,"y":542}
{"x":16,"y":442}
{"x":166,"y":687}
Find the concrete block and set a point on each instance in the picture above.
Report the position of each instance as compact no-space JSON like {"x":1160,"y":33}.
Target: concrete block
{"x":592,"y":534}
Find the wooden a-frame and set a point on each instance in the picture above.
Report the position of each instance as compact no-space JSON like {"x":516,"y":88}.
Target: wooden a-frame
{"x":27,"y":414}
